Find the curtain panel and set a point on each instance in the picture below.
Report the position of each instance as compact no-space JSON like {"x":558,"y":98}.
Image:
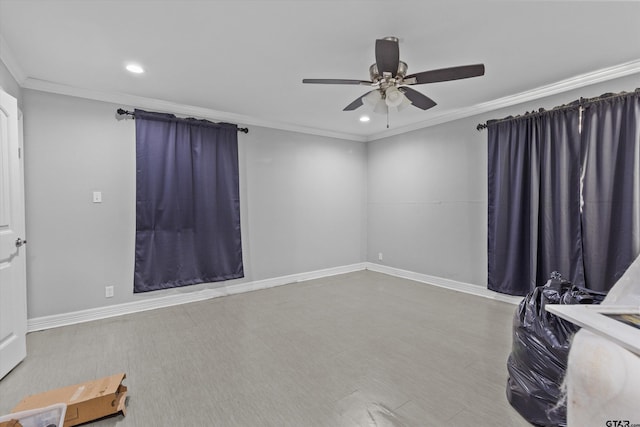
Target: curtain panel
{"x":187,"y":202}
{"x":611,"y":193}
{"x":534,"y":201}
{"x":565,"y":197}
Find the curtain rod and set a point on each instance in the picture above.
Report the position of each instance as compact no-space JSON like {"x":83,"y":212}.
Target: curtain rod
{"x":580,"y":103}
{"x":123,"y":112}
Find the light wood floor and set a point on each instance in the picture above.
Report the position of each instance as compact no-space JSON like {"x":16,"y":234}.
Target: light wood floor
{"x":360,"y":349}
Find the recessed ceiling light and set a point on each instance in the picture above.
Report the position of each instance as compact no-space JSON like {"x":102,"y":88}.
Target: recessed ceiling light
{"x":364,"y":118}
{"x":134,"y":68}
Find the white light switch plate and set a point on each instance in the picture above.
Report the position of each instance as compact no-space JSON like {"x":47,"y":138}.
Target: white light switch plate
{"x":97,"y":197}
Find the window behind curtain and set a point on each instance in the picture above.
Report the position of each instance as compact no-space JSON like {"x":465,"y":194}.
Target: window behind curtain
{"x":187,"y":202}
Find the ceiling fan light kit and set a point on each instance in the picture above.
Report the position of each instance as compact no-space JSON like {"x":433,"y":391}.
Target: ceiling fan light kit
{"x":390,"y":82}
{"x":404,"y":104}
{"x":380,"y":100}
{"x":381,"y":107}
{"x":393,"y":97}
{"x":372,"y":98}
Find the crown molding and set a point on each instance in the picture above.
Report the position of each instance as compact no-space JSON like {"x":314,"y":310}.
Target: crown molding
{"x":598,"y":76}
{"x":6,"y":56}
{"x":176,"y":108}
{"x":577,"y":82}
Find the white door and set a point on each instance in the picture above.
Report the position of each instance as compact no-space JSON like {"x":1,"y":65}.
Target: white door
{"x":13,"y":278}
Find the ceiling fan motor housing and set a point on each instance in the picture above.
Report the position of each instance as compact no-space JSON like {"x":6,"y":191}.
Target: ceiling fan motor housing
{"x":375,"y":77}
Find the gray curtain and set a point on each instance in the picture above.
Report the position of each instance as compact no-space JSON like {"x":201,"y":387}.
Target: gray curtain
{"x":534,"y":201}
{"x":187,"y":202}
{"x":611,"y":212}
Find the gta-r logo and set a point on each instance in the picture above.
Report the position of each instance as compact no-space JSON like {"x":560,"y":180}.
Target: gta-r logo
{"x":617,"y":423}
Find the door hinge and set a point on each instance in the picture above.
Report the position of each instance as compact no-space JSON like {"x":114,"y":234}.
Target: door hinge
{"x":19,"y":152}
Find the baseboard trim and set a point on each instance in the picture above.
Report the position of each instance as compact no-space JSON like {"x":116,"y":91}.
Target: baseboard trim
{"x":441,"y":282}
{"x":81,"y":316}
{"x":98,"y":313}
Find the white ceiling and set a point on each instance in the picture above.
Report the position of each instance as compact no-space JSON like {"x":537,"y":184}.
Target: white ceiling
{"x":245,"y":60}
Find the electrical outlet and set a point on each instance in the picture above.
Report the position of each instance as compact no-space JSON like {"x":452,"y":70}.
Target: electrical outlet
{"x":108,"y":291}
{"x":97,"y":197}
{"x":379,"y":256}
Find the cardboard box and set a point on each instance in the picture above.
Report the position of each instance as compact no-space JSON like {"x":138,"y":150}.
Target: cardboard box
{"x":85,"y":402}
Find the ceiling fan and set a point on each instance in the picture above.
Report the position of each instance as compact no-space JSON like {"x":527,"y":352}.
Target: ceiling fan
{"x":390,"y":81}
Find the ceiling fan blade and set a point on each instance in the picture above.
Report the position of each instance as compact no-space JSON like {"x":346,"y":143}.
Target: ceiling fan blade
{"x":336,"y":82}
{"x":446,"y":74}
{"x":387,"y":56}
{"x":418,"y":99}
{"x":356,"y":104}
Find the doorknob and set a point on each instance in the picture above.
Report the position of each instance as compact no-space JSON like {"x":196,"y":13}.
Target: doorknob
{"x":20,"y":242}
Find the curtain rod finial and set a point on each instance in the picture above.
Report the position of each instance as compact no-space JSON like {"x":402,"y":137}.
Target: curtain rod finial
{"x":123,"y":112}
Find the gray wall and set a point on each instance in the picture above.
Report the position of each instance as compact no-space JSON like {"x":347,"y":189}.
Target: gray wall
{"x":427,"y":203}
{"x":303,"y":200}
{"x":308,"y":202}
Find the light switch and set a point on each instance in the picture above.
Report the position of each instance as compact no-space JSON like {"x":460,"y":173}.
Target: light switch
{"x":97,"y":197}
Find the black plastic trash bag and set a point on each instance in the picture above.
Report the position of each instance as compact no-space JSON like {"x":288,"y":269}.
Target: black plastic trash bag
{"x":538,"y":359}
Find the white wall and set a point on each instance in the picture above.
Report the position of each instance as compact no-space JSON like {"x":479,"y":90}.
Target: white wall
{"x":9,"y":84}
{"x":427,"y":204}
{"x":303,"y":200}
